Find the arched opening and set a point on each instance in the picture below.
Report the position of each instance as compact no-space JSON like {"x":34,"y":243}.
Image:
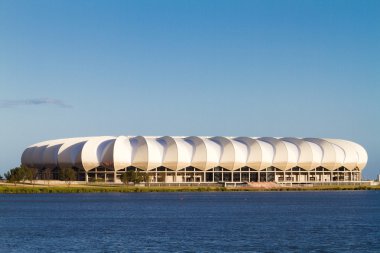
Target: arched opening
{"x":295,"y":174}
{"x":161,"y":174}
{"x":356,"y":174}
{"x":101,"y":174}
{"x":119,"y":173}
{"x":342,"y":174}
{"x":190,"y":174}
{"x":319,"y":174}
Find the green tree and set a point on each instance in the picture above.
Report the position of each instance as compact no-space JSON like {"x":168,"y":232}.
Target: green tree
{"x":133,"y":177}
{"x":22,"y":170}
{"x":30,"y":174}
{"x":68,"y":175}
{"x":46,"y":174}
{"x":15,"y":175}
{"x":124,"y":178}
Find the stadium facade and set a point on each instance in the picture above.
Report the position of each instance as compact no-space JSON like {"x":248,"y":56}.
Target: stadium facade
{"x":197,"y":159}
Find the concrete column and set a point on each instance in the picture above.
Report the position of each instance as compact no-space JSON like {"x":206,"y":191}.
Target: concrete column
{"x":114,"y":176}
{"x":86,"y":176}
{"x":258,"y":176}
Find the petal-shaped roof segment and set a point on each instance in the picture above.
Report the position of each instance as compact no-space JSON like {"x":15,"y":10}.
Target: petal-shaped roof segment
{"x":199,"y":157}
{"x":350,"y":155}
{"x":38,"y":155}
{"x":177,"y":153}
{"x":207,"y":152}
{"x":147,"y":152}
{"x":33,"y":155}
{"x":170,"y":152}
{"x":285,"y":153}
{"x":362,"y":156}
{"x":329,"y":159}
{"x":26,"y":157}
{"x":310,"y":154}
{"x":339,"y":156}
{"x":260,"y":153}
{"x":139,"y":152}
{"x":185,"y":152}
{"x":50,"y":156}
{"x":69,"y":154}
{"x":122,"y":152}
{"x":94,"y":151}
{"x":234,"y":154}
{"x":355,"y":155}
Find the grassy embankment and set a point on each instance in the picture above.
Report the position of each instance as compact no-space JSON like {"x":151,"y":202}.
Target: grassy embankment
{"x":13,"y":189}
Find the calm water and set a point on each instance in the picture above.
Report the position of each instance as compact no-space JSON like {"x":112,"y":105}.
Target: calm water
{"x":192,"y":222}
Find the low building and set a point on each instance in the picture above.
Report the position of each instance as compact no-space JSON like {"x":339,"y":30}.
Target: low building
{"x":200,"y":159}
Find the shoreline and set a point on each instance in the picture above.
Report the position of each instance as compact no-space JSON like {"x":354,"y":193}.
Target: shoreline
{"x":36,"y":189}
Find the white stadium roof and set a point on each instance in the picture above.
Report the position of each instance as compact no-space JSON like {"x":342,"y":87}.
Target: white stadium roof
{"x":148,"y":152}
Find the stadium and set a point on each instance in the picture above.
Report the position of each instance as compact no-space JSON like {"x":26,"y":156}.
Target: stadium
{"x":200,"y":159}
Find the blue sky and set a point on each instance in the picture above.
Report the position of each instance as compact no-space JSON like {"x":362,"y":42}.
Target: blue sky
{"x":234,"y":68}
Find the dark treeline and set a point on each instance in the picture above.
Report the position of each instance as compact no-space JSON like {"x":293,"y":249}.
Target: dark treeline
{"x":22,"y":174}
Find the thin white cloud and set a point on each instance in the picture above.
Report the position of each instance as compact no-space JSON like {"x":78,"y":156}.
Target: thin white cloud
{"x":5,"y":103}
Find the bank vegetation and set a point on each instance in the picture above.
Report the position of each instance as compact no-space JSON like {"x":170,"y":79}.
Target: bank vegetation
{"x":27,"y":188}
